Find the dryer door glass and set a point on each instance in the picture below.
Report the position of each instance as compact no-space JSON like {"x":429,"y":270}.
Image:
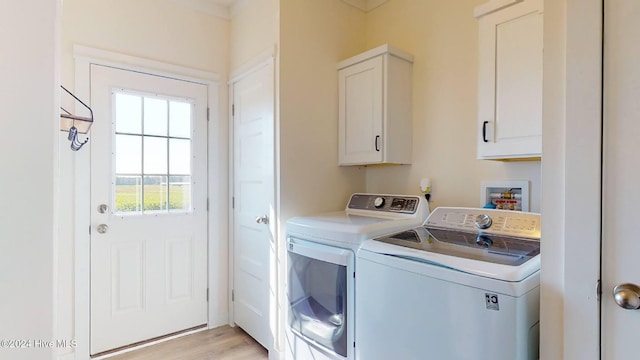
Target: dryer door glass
{"x":318,"y":302}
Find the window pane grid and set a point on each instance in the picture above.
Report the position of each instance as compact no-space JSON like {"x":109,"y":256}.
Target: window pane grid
{"x":153,"y":173}
{"x":154,"y":136}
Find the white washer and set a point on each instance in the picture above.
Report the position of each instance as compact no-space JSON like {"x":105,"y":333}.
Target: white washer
{"x":464,"y":286}
{"x":321,"y":263}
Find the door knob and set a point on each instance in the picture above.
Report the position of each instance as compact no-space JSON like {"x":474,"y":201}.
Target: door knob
{"x":262,"y":219}
{"x":102,"y":228}
{"x":627,"y":296}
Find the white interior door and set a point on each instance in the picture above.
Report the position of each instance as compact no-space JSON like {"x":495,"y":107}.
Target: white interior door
{"x":621,"y":178}
{"x":148,"y":207}
{"x":253,"y":213}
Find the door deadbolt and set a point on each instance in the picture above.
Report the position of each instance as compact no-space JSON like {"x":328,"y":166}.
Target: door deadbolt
{"x":103,"y":208}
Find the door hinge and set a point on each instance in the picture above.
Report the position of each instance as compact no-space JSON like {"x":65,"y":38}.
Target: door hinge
{"x":207,"y":294}
{"x":598,"y":290}
{"x":207,"y":204}
{"x":208,"y":114}
{"x":233,"y":109}
{"x":89,"y":229}
{"x":233,"y":295}
{"x":233,"y":202}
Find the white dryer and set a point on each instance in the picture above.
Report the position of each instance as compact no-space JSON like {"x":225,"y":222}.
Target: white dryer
{"x":463,"y":287}
{"x":321,"y":270}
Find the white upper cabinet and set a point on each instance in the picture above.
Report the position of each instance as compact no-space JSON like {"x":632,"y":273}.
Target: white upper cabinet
{"x":375,"y":108}
{"x":510,"y":79}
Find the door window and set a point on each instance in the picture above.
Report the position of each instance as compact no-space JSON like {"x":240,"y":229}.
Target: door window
{"x":152,"y":154}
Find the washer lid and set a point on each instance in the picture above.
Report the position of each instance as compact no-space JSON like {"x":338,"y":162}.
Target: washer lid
{"x":499,"y":257}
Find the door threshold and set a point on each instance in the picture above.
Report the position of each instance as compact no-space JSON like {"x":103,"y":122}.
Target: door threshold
{"x":146,"y":343}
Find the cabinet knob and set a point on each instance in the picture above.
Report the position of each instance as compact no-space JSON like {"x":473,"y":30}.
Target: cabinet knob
{"x":627,"y":296}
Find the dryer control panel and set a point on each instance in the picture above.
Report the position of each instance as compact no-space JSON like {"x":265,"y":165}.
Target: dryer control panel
{"x":384,"y":203}
{"x":489,"y":221}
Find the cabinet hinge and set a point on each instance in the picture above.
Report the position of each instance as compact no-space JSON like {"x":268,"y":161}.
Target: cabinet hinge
{"x":233,"y":109}
{"x":354,"y":274}
{"x":89,"y":229}
{"x":233,"y":202}
{"x":207,"y":204}
{"x":208,"y":114}
{"x":207,"y":294}
{"x":598,"y":290}
{"x":233,"y":295}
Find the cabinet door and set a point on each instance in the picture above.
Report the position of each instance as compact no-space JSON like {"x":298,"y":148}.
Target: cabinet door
{"x":360,"y":113}
{"x":510,"y":82}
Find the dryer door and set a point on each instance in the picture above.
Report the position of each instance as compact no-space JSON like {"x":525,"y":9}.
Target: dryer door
{"x":320,"y":282}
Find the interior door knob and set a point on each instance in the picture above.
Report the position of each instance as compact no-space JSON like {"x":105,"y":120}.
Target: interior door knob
{"x":262,"y":219}
{"x":102,"y":228}
{"x":627,"y":296}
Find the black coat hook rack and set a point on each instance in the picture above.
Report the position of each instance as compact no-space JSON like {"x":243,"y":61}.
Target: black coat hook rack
{"x":75,"y":124}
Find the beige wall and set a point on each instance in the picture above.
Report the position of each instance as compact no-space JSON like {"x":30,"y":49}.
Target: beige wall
{"x":314,"y":36}
{"x":154,"y":29}
{"x":254,"y":29}
{"x":157,"y":30}
{"x":29,"y":162}
{"x":443,"y":37}
{"x":552,"y":277}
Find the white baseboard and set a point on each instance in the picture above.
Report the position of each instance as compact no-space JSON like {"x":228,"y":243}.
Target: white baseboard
{"x":276,"y":355}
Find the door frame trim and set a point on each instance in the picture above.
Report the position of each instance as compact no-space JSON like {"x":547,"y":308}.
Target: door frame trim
{"x":571,"y":173}
{"x":265,"y":58}
{"x":216,"y":162}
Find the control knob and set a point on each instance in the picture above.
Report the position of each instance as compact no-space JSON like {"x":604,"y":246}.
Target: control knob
{"x":483,"y":221}
{"x":484,"y":241}
{"x":378,"y":202}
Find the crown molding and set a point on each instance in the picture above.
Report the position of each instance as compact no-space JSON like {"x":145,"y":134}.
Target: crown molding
{"x":236,"y":6}
{"x":365,"y":5}
{"x":226,"y":9}
{"x":492,"y":6}
{"x":208,"y":7}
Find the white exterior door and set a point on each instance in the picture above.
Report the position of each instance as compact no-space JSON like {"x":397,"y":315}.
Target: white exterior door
{"x":148,"y":207}
{"x":621,"y":178}
{"x":254,"y":212}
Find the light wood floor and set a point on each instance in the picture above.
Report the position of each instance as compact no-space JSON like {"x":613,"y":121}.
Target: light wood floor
{"x":223,"y":343}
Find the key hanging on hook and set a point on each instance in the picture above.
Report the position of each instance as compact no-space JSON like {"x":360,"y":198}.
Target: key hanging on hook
{"x":73,"y":137}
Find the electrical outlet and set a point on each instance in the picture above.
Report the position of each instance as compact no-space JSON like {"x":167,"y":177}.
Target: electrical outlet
{"x":425,"y":187}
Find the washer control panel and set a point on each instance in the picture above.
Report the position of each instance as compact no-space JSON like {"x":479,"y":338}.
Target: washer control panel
{"x":489,"y":221}
{"x":385,"y":203}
